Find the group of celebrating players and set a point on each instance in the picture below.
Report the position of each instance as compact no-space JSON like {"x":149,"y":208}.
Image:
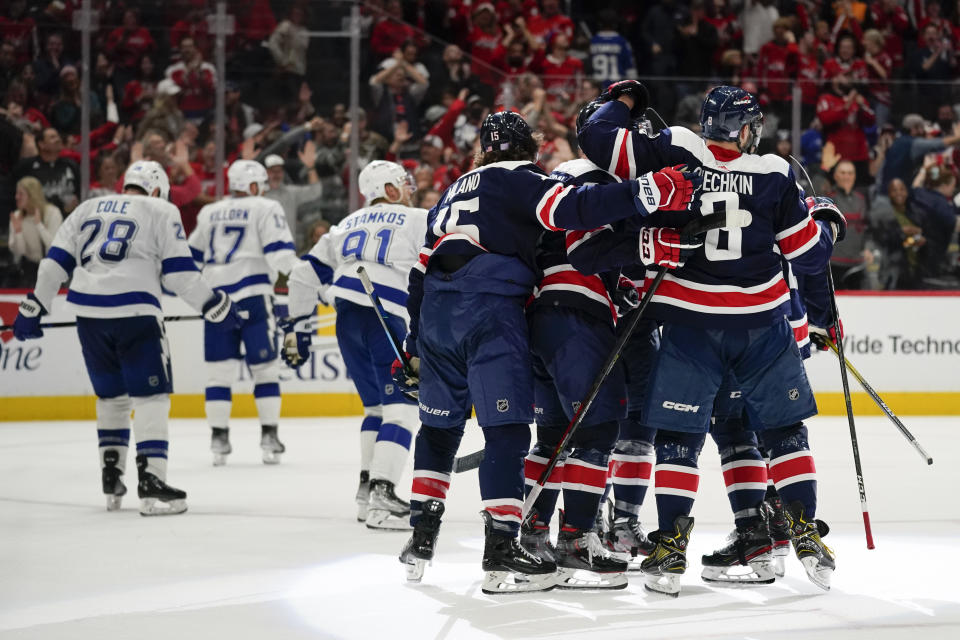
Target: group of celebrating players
{"x":511,"y":292}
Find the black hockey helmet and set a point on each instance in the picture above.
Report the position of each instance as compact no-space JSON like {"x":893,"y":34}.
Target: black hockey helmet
{"x":505,"y":130}
{"x":725,"y":111}
{"x":586,"y":111}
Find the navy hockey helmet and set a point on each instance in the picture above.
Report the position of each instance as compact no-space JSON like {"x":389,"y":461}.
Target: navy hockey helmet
{"x":506,"y":130}
{"x":725,"y":111}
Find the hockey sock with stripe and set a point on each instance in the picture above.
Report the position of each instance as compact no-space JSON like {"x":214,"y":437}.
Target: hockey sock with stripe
{"x":792,"y":467}
{"x":433,"y":455}
{"x":676,"y":476}
{"x":501,"y":475}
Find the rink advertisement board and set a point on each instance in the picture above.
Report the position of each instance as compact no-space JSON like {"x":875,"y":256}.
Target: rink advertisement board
{"x":906,"y":345}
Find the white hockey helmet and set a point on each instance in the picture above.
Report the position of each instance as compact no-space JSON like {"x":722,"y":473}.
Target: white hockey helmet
{"x":148,"y":175}
{"x":379,"y":173}
{"x":243,"y":173}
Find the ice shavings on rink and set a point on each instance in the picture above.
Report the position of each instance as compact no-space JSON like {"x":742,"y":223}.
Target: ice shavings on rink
{"x":276,"y":552}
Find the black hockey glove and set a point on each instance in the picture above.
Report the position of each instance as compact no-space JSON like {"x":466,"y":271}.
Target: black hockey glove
{"x":632,"y":88}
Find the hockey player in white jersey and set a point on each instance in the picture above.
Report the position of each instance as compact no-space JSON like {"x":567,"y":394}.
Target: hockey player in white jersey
{"x":385,"y":238}
{"x":119,"y":250}
{"x":241,"y":243}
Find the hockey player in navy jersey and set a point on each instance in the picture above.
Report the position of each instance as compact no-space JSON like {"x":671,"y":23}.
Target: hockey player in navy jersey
{"x":724,"y":312}
{"x":241,"y":243}
{"x":385,"y":238}
{"x":119,"y":250}
{"x":467,"y":294}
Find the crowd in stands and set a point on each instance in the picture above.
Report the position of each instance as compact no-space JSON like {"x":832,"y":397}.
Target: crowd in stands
{"x":873,"y":87}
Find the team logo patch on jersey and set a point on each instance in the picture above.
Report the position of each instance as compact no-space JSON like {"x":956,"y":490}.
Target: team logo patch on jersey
{"x":793,"y":394}
{"x":503,"y":405}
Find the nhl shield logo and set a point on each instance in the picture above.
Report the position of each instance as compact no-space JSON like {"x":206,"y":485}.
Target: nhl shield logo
{"x":388,"y":389}
{"x":503,"y":405}
{"x":576,"y":405}
{"x":793,"y":394}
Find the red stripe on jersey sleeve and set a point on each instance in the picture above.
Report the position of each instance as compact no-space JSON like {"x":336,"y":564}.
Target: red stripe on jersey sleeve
{"x":545,"y":212}
{"x":801,"y":333}
{"x":798,"y":238}
{"x":623,"y":164}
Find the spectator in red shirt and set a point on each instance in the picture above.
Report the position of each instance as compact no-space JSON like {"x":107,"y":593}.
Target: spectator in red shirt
{"x":432,"y":157}
{"x":934,"y":18}
{"x":193,"y":26}
{"x":196,"y":79}
{"x":390,"y":32}
{"x":486,"y":46}
{"x":779,"y":61}
{"x":560,"y":71}
{"x":809,"y":76}
{"x":879,"y":70}
{"x":892,"y":21}
{"x":844,"y":113}
{"x":127,"y":44}
{"x":551,"y":22}
{"x":19,"y":30}
{"x":846,"y":61}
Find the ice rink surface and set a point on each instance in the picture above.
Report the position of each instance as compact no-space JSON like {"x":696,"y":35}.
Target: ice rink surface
{"x":275,"y":552}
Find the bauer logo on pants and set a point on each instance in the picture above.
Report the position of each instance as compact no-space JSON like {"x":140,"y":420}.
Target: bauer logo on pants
{"x":503,"y":405}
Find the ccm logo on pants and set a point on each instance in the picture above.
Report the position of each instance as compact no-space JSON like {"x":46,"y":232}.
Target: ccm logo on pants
{"x":679,"y":406}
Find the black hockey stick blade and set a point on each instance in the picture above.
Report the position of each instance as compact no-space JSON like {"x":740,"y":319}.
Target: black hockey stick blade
{"x":880,"y":403}
{"x":73,"y":323}
{"x":468,"y":462}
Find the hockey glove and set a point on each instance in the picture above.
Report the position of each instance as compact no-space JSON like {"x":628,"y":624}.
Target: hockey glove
{"x":632,"y":88}
{"x":825,"y":209}
{"x":819,"y":335}
{"x":219,"y":311}
{"x":27,"y":324}
{"x":666,"y":247}
{"x":407,"y":378}
{"x":670,"y":189}
{"x":626,"y":297}
{"x":297,"y":338}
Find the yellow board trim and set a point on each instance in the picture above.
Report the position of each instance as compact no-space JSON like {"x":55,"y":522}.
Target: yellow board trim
{"x":304,"y":405}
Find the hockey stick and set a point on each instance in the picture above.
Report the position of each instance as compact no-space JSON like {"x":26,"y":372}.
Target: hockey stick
{"x":468,"y":462}
{"x":382,"y":315}
{"x":694,"y":228}
{"x":73,"y":323}
{"x":868,"y":530}
{"x":883,"y":405}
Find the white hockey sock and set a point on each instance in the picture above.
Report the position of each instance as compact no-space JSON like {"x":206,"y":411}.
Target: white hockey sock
{"x":219,"y":398}
{"x":266,"y":392}
{"x":113,"y":427}
{"x":368,"y":434}
{"x":393,"y":442}
{"x":150,"y":421}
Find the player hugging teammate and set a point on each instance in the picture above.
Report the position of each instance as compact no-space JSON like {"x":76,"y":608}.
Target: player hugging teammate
{"x":723,"y":310}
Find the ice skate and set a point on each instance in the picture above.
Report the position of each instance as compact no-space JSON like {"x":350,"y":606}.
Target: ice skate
{"x":385,"y":510}
{"x":779,"y":532}
{"x":626,"y":540}
{"x":363,"y":496}
{"x":157,"y":498}
{"x":583,"y":562}
{"x":220,"y":445}
{"x":113,"y":487}
{"x":816,"y":557}
{"x":419,"y":549}
{"x":668,"y":561}
{"x":509,"y":567}
{"x":270,"y":444}
{"x":535,"y":537}
{"x":746,"y":559}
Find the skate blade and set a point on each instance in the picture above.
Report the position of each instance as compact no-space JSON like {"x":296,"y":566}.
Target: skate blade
{"x":415,"y":570}
{"x":739,"y":575}
{"x":362,"y":513}
{"x":385,"y":521}
{"x":668,"y":585}
{"x":584,"y":579}
{"x":502,"y":582}
{"x":271,"y":457}
{"x":818,"y":576}
{"x":779,"y":566}
{"x":155,"y":507}
{"x":219,"y":459}
{"x":113,"y":502}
